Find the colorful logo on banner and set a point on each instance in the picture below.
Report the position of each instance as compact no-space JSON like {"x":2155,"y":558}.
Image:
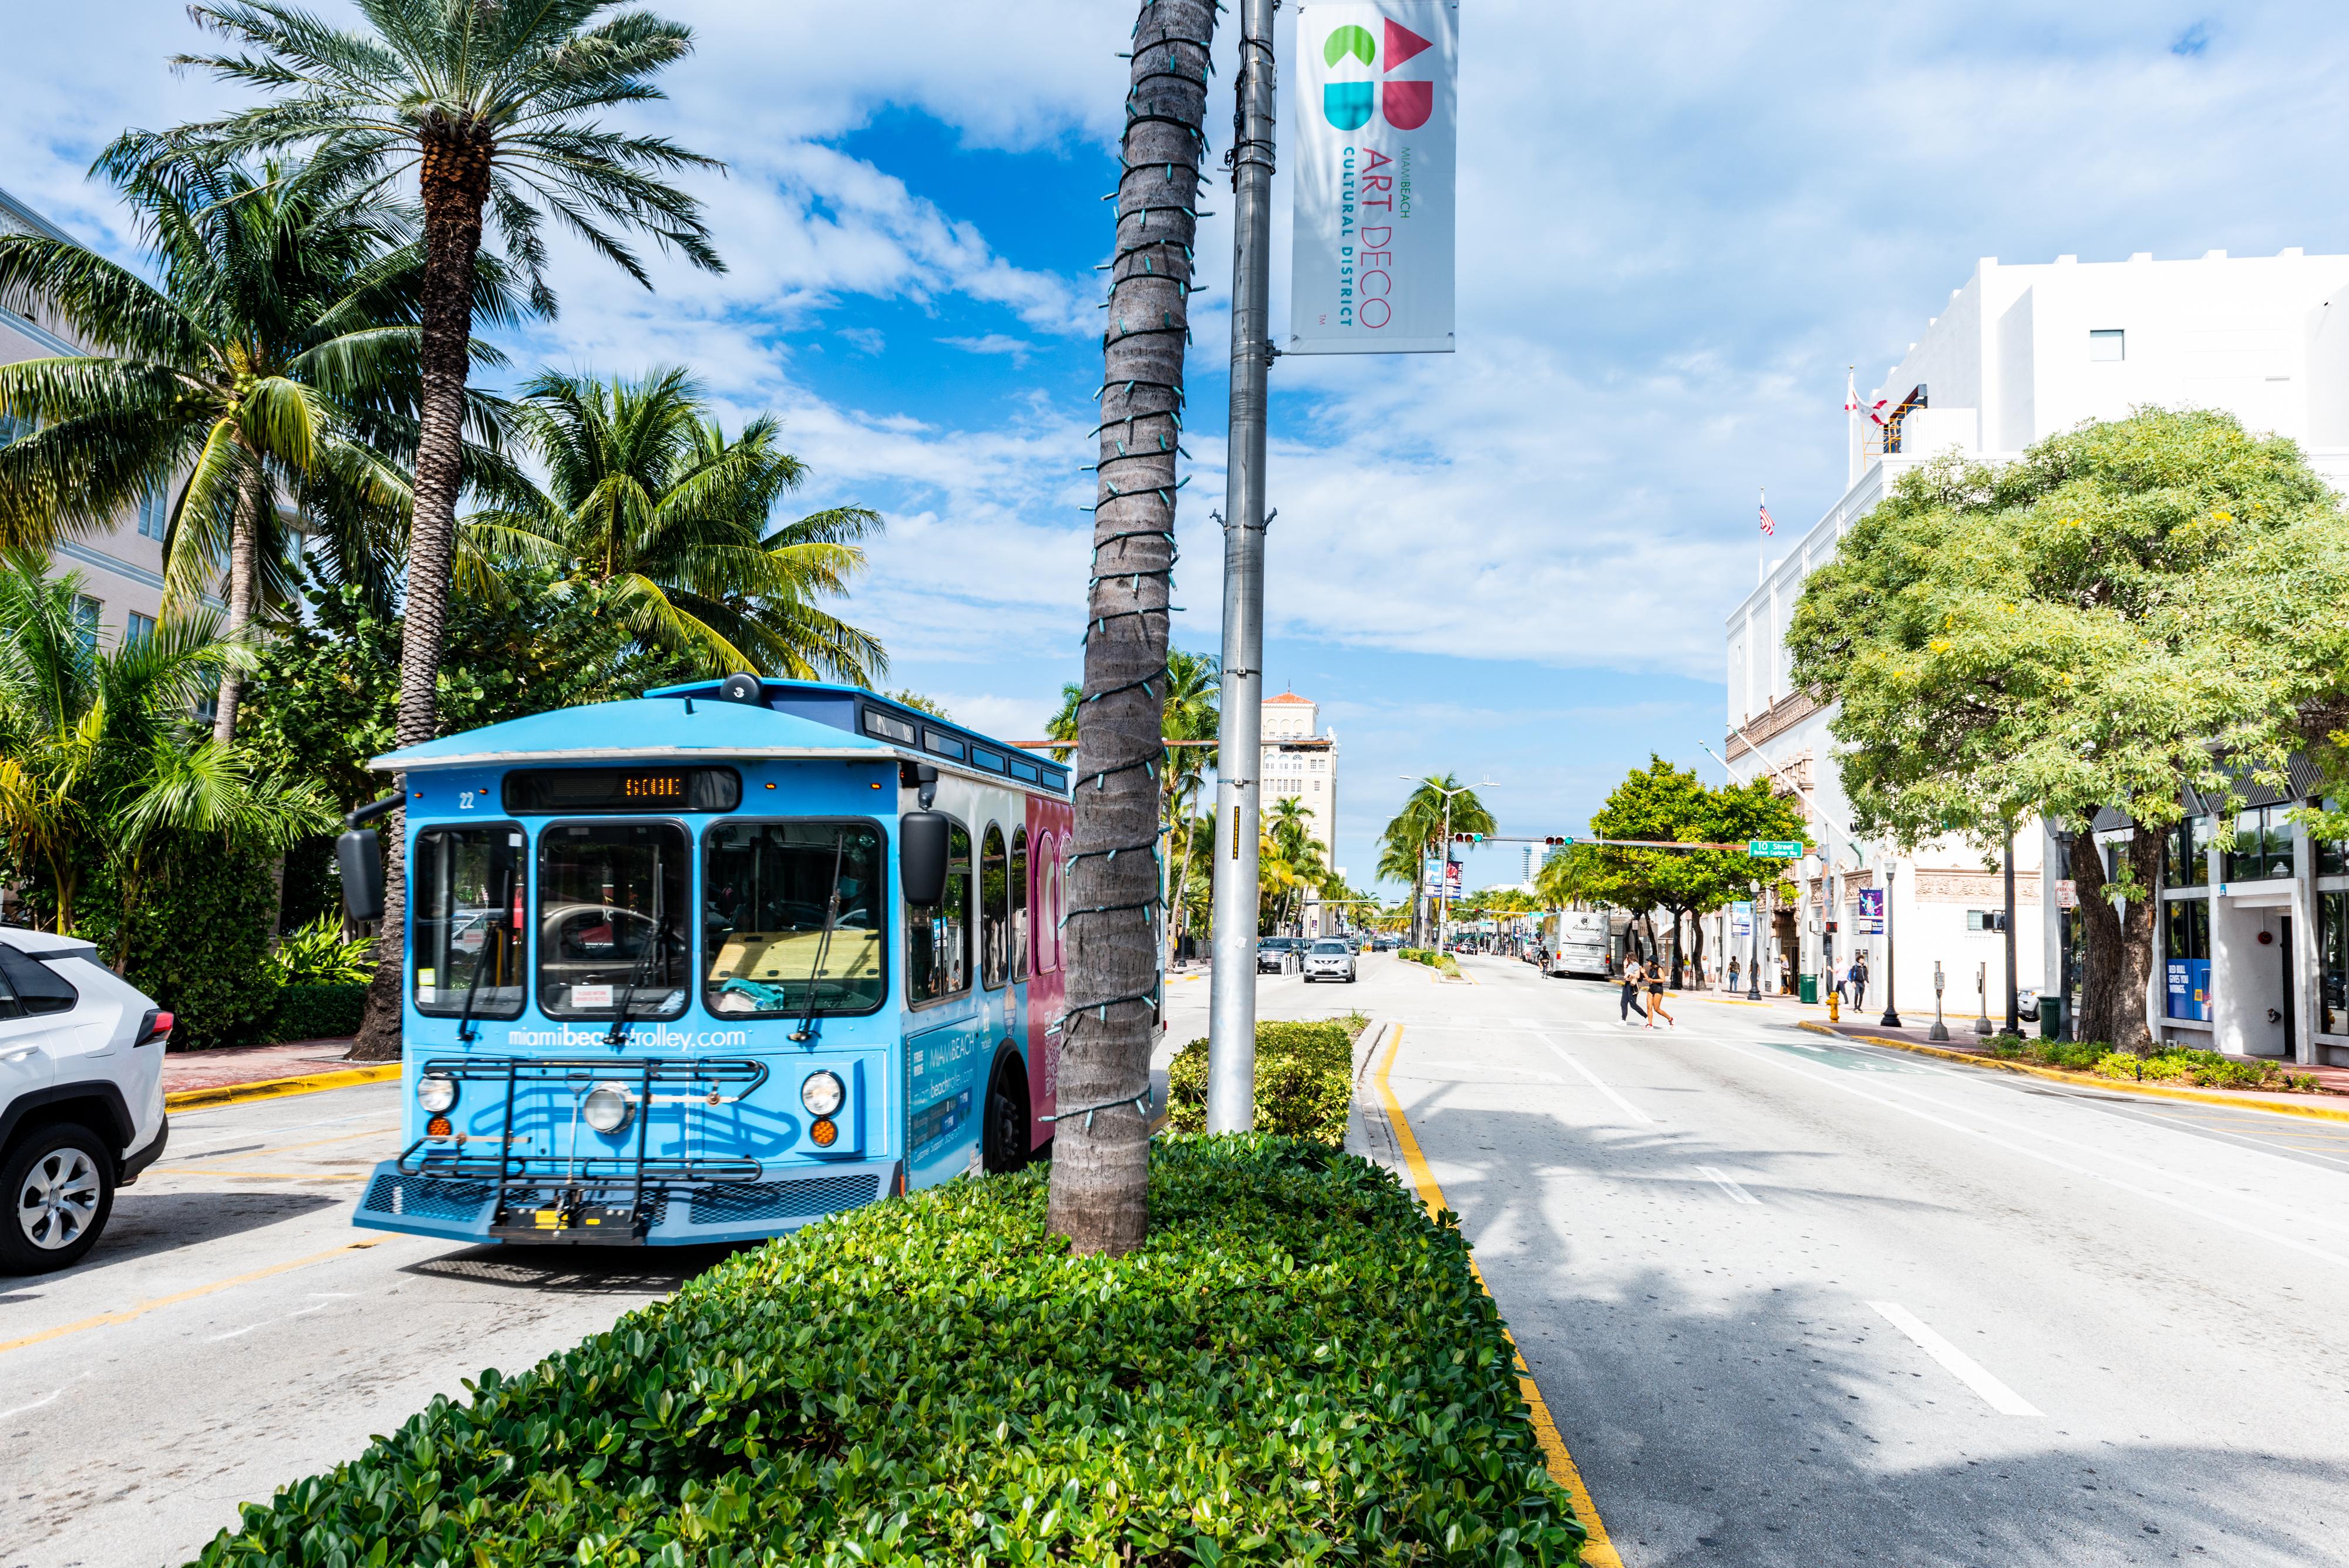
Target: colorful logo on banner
{"x":1405,"y":105}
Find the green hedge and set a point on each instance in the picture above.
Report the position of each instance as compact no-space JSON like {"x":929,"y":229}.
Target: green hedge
{"x":316,"y":1013}
{"x":1304,"y":1082}
{"x":1443,"y":962}
{"x":2209,"y":1069}
{"x":1296,"y":1367}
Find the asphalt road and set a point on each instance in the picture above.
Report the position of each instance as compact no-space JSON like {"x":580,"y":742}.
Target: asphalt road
{"x":1793,"y":1302}
{"x":1788,"y":1300}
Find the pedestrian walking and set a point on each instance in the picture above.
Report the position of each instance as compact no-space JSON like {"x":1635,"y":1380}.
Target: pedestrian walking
{"x":1858,"y":978}
{"x":1786,"y":977}
{"x":1656,"y":997}
{"x":1734,"y":971}
{"x":1631,"y":979}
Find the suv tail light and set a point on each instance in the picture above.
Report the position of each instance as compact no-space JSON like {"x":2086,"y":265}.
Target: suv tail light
{"x":155,"y":1028}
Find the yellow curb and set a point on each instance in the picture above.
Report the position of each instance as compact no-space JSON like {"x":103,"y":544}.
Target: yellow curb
{"x":275,"y":1088}
{"x":1598,"y":1551}
{"x":1732,"y":1001}
{"x":2088,"y":1080}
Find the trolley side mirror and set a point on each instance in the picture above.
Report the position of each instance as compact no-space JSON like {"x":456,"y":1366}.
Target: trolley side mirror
{"x":359,"y":855}
{"x":922,"y":856}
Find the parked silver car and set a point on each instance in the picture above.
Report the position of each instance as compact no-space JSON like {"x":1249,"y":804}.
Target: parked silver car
{"x":1330,"y":958}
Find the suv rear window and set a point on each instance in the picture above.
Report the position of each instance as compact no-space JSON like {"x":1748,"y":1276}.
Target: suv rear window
{"x":31,"y":986}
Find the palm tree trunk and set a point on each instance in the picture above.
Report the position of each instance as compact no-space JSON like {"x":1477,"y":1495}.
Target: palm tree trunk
{"x":1099,"y":1165}
{"x":243,"y":544}
{"x":456,"y":184}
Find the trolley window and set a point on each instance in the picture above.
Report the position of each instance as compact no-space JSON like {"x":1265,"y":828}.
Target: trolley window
{"x":570,"y":792}
{"x":611,"y":919}
{"x":994,"y":910}
{"x":765,"y":887}
{"x":937,"y":936}
{"x":467,"y":894}
{"x":1017,"y":892}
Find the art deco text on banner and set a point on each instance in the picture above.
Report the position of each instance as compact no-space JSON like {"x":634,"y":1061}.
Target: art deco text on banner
{"x":1375,"y":143}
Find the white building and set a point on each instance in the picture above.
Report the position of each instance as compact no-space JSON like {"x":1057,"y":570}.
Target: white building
{"x":1300,"y":763}
{"x":2018,"y":354}
{"x":121,"y":569}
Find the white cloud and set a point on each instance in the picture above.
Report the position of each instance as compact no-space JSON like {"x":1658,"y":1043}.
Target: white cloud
{"x":1017,"y":348}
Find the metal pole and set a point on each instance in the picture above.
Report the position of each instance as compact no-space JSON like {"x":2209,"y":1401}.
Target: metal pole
{"x":1231,"y":1028}
{"x":1443,"y":876}
{"x":1753,"y":975}
{"x":1891,"y":1019}
{"x":2013,"y":1000}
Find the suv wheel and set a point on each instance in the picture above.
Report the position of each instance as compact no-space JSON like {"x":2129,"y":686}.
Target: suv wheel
{"x":1006,"y":1133}
{"x":60,"y":1186}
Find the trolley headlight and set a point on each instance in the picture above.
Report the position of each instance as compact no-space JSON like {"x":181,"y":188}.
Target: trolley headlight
{"x":822,"y":1094}
{"x":435,"y":1093}
{"x":607,"y":1108}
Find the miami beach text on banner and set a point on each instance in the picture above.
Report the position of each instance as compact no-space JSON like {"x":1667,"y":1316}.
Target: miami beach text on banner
{"x":1375,"y":143}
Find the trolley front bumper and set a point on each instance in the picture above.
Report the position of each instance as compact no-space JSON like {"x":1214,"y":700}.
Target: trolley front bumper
{"x":546,"y":1210}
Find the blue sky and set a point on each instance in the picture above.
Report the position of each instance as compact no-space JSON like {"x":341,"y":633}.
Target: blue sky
{"x":1678,"y":224}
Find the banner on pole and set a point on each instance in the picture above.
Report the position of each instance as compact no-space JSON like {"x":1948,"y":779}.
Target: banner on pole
{"x":1375,"y":175}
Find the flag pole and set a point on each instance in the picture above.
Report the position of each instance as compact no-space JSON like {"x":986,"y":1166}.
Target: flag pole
{"x":1760,"y":550}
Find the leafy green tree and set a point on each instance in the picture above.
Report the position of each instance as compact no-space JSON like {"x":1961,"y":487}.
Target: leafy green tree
{"x":496,"y":106}
{"x":647,"y":499}
{"x":101,"y":764}
{"x":1415,"y":835}
{"x":2077,"y":631}
{"x":1669,"y":804}
{"x":915,"y":700}
{"x":261,"y":378}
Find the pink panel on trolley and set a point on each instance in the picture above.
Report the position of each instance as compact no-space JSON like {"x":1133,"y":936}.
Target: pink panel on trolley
{"x":1048,"y":830}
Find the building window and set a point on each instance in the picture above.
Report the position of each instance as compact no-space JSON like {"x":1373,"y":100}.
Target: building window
{"x":2186,"y":854}
{"x":2263,"y":844}
{"x":154,"y":514}
{"x":2333,"y":958}
{"x":138,"y":627}
{"x":2108,"y":345}
{"x":85,"y":612}
{"x":2186,"y":941}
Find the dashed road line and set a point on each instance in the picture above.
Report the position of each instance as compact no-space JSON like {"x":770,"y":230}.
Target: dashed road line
{"x":108,"y":1319}
{"x":1960,"y":1365}
{"x":1627,"y":1108}
{"x":1720,"y":1180}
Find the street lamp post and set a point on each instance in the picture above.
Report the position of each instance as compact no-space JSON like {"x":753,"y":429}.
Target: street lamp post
{"x":1891,"y":1019}
{"x":1443,"y":888}
{"x":1753,"y":975}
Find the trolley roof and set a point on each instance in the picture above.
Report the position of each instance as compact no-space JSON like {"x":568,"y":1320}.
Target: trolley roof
{"x":794,"y":719}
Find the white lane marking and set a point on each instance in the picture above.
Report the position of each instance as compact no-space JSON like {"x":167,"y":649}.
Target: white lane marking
{"x":1960,"y":1365}
{"x":1720,"y":1180}
{"x":1627,"y":1108}
{"x":2308,"y":1216}
{"x":2040,"y":1155}
{"x":323,"y":1298}
{"x":49,"y":1398}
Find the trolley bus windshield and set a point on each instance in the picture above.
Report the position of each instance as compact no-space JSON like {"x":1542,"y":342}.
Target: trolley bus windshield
{"x":611,"y":919}
{"x":765,"y":887}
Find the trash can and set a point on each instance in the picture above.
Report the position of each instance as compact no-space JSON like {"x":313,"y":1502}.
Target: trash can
{"x":1811,"y":989}
{"x":2051,"y":1018}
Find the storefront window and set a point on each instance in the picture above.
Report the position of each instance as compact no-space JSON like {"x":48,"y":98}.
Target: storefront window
{"x":2333,"y":941}
{"x":2186,"y":944}
{"x":2188,"y":854}
{"x":2331,"y":854}
{"x":2262,"y":847}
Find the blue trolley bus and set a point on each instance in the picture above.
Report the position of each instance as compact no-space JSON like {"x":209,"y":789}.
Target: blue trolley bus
{"x":712,"y":963}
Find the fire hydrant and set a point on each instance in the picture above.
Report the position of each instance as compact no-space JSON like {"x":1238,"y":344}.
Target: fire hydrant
{"x":1835,"y":1005}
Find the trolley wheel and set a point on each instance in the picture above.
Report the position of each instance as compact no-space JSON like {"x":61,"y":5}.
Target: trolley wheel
{"x":1006,"y":1133}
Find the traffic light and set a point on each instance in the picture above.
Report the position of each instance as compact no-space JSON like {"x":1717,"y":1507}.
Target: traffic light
{"x":1468,"y":838}
{"x":1557,"y":840}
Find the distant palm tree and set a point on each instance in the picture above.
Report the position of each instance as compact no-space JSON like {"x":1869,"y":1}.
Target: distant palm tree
{"x":263,"y":375}
{"x":496,"y":105}
{"x":98,"y":759}
{"x":645,"y":495}
{"x":1418,"y":830}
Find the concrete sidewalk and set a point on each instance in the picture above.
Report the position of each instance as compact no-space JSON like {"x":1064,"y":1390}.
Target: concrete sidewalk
{"x":192,"y":1078}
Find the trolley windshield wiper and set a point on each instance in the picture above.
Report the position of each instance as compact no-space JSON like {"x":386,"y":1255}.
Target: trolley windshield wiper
{"x":823,"y":938}
{"x":466,"y":1032}
{"x":619,"y":1034}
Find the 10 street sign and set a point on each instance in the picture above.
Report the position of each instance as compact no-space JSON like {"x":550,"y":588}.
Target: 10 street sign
{"x":1775,"y":849}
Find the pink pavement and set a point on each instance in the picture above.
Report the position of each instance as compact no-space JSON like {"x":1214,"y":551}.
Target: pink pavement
{"x":185,"y":1070}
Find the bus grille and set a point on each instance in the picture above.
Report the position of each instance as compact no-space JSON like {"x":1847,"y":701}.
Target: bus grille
{"x":783,"y":1199}
{"x":426,"y":1197}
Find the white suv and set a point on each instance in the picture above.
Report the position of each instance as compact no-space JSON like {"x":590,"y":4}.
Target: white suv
{"x":1330,"y":959}
{"x":81,"y":1095}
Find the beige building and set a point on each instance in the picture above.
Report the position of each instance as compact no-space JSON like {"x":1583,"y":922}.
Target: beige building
{"x":121,"y":569}
{"x":1300,"y":763}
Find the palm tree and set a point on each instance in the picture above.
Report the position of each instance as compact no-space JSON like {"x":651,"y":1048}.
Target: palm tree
{"x":646,"y":497}
{"x":99,"y":759}
{"x":1100,"y":1167}
{"x":495,"y":106}
{"x":265,"y":368}
{"x":1418,"y":830}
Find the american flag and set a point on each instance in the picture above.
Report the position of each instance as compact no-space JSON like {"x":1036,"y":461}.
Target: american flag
{"x":1769,"y":524}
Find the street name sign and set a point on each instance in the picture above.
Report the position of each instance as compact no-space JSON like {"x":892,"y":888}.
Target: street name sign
{"x":1773,"y":850}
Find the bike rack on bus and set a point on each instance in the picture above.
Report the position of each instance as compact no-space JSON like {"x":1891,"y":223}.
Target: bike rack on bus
{"x":741,"y":1074}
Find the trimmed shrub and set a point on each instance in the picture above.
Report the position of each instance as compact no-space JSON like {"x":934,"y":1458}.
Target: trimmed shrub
{"x":328,"y":1011}
{"x":198,"y":939}
{"x":1296,"y":1367}
{"x":1304,"y":1082}
{"x":2205,"y":1069}
{"x":1442,"y":962}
